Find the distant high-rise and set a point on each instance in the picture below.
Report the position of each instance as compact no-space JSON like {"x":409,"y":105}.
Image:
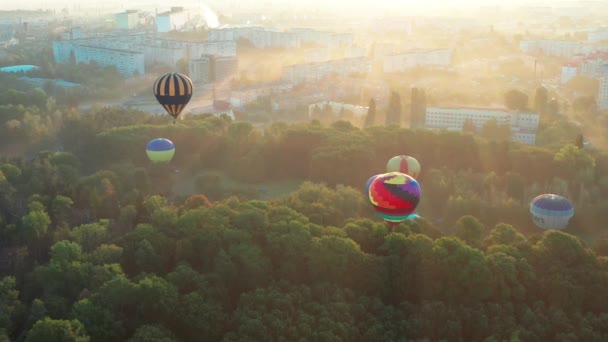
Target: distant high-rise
{"x":127,"y":20}
{"x":602,"y":96}
{"x":212,"y":68}
{"x":175,"y":19}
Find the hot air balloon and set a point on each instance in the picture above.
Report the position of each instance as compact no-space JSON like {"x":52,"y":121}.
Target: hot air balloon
{"x":404,"y":164}
{"x":160,"y":150}
{"x":394,"y":196}
{"x":551,"y":211}
{"x":173,"y":91}
{"x":368,"y":183}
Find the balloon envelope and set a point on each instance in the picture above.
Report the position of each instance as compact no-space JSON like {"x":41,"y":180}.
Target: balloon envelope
{"x":394,"y":196}
{"x":551,"y":211}
{"x":160,"y":150}
{"x":369,"y":182}
{"x":404,"y":164}
{"x":173,"y":91}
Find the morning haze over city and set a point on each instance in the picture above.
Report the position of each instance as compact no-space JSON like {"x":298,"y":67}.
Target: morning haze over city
{"x":290,"y":170}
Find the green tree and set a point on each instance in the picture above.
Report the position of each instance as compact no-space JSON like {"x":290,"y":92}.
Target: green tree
{"x":152,"y":333}
{"x":9,"y":303}
{"x":540,"y":100}
{"x":470,"y":230}
{"x":56,"y":330}
{"x":516,"y":100}
{"x":393,"y":112}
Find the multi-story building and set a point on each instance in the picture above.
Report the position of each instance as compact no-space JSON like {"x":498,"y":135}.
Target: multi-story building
{"x":568,"y":71}
{"x":561,"y":48}
{"x":590,"y":65}
{"x":308,"y":72}
{"x":128,"y":63}
{"x":523,"y":124}
{"x":598,"y":35}
{"x":404,"y":61}
{"x":154,"y":50}
{"x":199,"y":70}
{"x":127,"y":20}
{"x":259,"y":36}
{"x":602,"y":96}
{"x":174,"y":20}
{"x":212,"y":68}
{"x":244,"y":95}
{"x":262,"y":37}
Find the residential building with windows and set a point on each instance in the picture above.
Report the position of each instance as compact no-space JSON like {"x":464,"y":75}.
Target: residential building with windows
{"x":523,"y":124}
{"x":127,"y":20}
{"x":154,"y":50}
{"x":602,"y":96}
{"x":212,"y":68}
{"x":308,"y":72}
{"x":560,"y":48}
{"x":174,"y":20}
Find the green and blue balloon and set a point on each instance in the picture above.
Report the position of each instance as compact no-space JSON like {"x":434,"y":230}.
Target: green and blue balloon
{"x":160,"y":150}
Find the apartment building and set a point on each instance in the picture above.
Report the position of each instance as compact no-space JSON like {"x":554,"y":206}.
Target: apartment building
{"x":154,"y":50}
{"x":523,"y":124}
{"x":212,"y":68}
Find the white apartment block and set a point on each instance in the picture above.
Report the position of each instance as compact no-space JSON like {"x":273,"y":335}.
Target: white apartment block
{"x":337,"y":108}
{"x":523,"y":124}
{"x":154,"y":50}
{"x":311,"y":72}
{"x":262,"y":37}
{"x":568,"y":71}
{"x":128,"y":63}
{"x":598,"y":35}
{"x":176,"y":20}
{"x":591,"y":65}
{"x":127,"y":20}
{"x":259,"y":36}
{"x":561,"y":48}
{"x":405,"y":61}
{"x":602,"y":96}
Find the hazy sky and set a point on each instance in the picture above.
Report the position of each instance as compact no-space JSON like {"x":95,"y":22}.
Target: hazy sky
{"x":373,"y":5}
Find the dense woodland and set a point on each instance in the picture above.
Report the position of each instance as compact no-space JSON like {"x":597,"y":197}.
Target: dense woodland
{"x":97,"y":244}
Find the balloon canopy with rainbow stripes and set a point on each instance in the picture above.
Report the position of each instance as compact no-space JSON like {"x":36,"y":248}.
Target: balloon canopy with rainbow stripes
{"x":394,"y":196}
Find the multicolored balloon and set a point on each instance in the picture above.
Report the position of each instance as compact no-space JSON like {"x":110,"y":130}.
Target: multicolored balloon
{"x":551,"y":211}
{"x":173,"y":91}
{"x":160,"y":150}
{"x":394,"y":196}
{"x":368,"y":183}
{"x":404,"y":164}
